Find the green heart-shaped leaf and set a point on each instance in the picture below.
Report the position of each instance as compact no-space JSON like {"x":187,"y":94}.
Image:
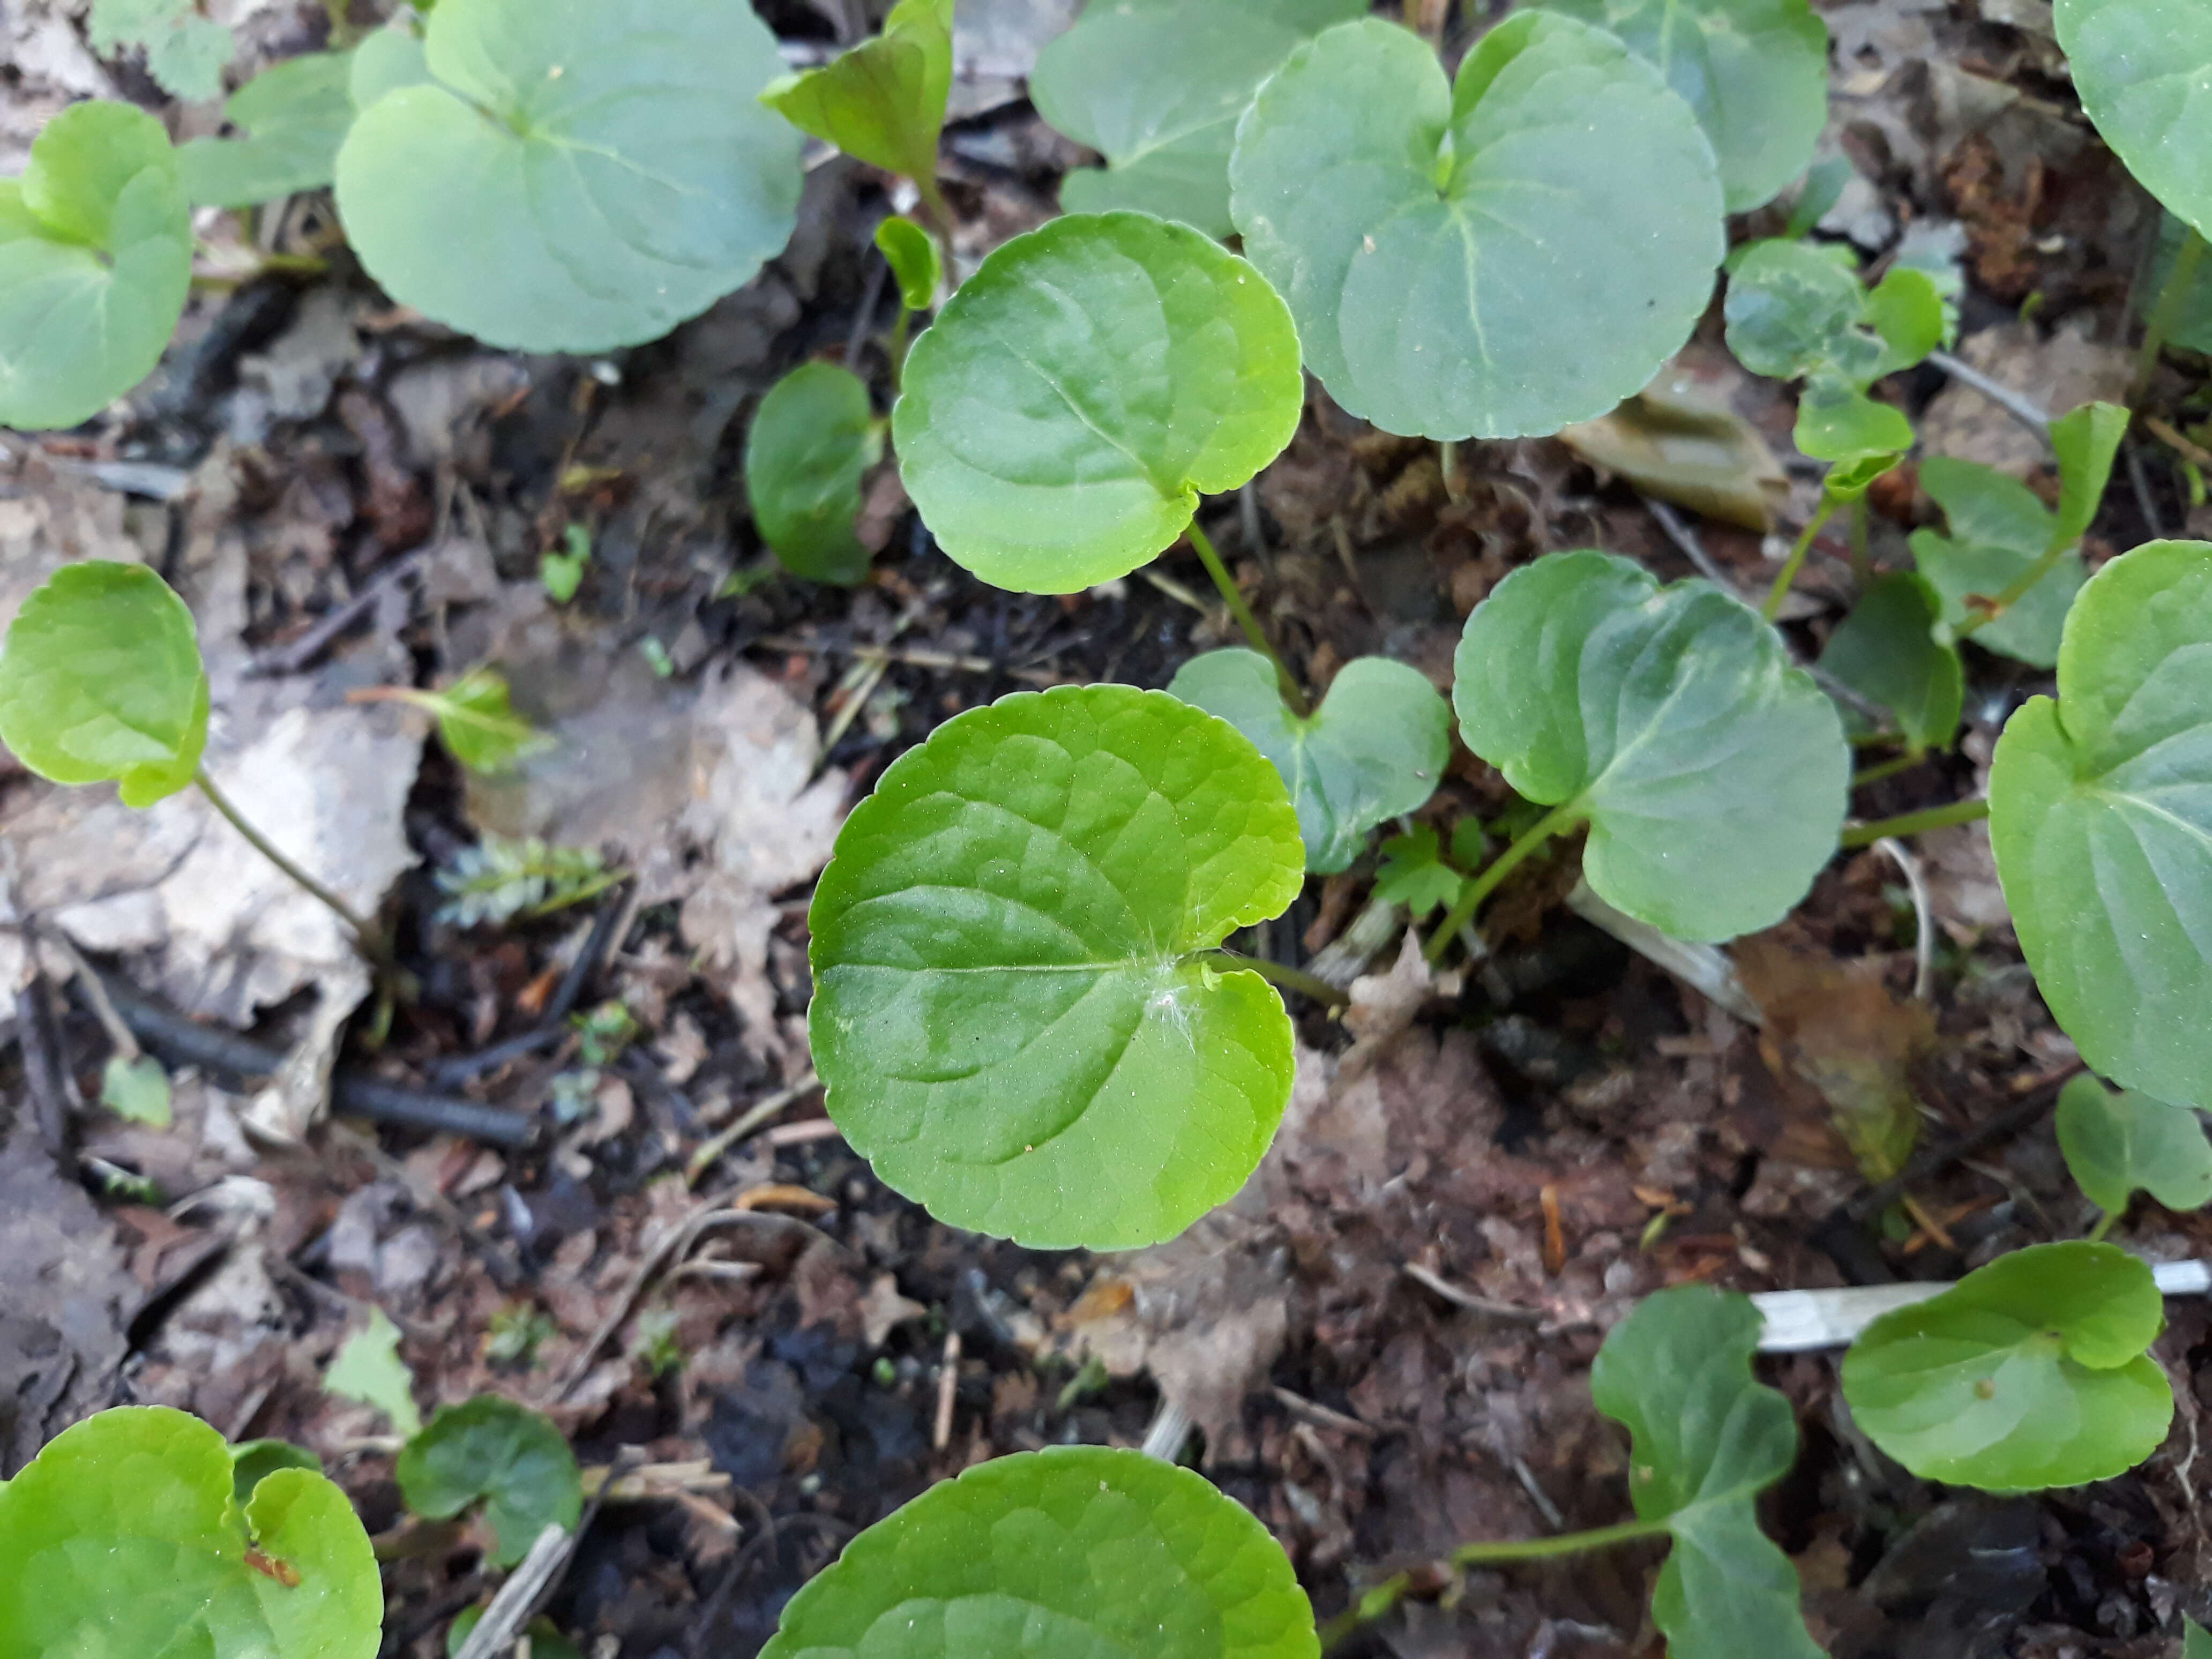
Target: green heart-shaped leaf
{"x":1756,"y":71}
{"x":2100,"y":814}
{"x":95,"y":261}
{"x":911,"y":252}
{"x":1156,"y":86}
{"x":1887,"y":651}
{"x":813,"y":441}
{"x":368,"y":1368}
{"x":1998,"y":530}
{"x":122,"y":1539}
{"x":2143,"y":69}
{"x":883,"y":102}
{"x":1499,"y":258}
{"x":1375,"y":748}
{"x":1014,"y":1010}
{"x":100,"y":680}
{"x":513,"y":1460}
{"x":2028,"y":1373}
{"x":2086,"y":440}
{"x":1074,"y":1551}
{"x":1059,"y":420}
{"x":294,"y":116}
{"x":1713,"y":773}
{"x":136,"y":1089}
{"x":1709,"y":1438}
{"x":2119,"y":1144}
{"x":575,"y":176}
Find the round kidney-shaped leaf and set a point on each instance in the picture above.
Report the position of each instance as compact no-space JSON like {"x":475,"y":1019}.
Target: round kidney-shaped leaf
{"x":575,"y":176}
{"x":2119,"y":1144}
{"x":100,"y":680}
{"x":1059,"y":420}
{"x":1014,"y":1011}
{"x":1376,"y":747}
{"x":1756,"y":71}
{"x":813,"y":439}
{"x":1713,"y":773}
{"x":511,"y":1458}
{"x":1501,"y":257}
{"x":2101,"y":815}
{"x":2143,"y":69}
{"x":1074,"y":1551}
{"x":122,"y":1538}
{"x":2028,"y":1373}
{"x":95,"y":261}
{"x":293,"y":117}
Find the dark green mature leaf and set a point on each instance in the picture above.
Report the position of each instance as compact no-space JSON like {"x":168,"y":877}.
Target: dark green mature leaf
{"x":293,"y":117}
{"x":883,"y":102}
{"x":1503,"y":257}
{"x":1014,"y":1012}
{"x":1156,"y":86}
{"x":1756,"y":71}
{"x":100,"y":680}
{"x":2143,"y":69}
{"x":2100,"y":814}
{"x":95,"y":261}
{"x":185,"y":51}
{"x":122,"y":1539}
{"x":813,"y":441}
{"x":513,"y":1460}
{"x":1709,"y":1438}
{"x":1998,"y":530}
{"x":1887,"y":651}
{"x":912,"y":254}
{"x":1711,"y":773}
{"x":1375,"y":748}
{"x":1072,"y":400}
{"x":2028,"y":1373}
{"x":2119,"y":1144}
{"x":575,"y":176}
{"x":1073,"y":1551}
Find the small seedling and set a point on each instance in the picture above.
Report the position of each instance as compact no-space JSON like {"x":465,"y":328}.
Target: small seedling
{"x":2028,"y":1373}
{"x":136,"y":1089}
{"x":883,"y":102}
{"x":511,"y":1459}
{"x":813,"y":441}
{"x":1413,"y":874}
{"x":476,"y":719}
{"x":562,"y":573}
{"x":915,"y":264}
{"x":2119,"y":1144}
{"x":368,"y":1368}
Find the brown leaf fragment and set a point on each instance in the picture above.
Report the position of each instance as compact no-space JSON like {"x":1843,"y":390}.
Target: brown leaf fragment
{"x":1673,"y":445}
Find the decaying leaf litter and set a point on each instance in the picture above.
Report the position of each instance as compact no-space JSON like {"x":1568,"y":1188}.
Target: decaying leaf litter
{"x":1383,"y":1342}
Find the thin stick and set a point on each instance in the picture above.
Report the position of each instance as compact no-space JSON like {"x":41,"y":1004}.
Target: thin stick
{"x":119,"y":1035}
{"x":1923,"y":914}
{"x":1480,"y":888}
{"x":948,"y":1386}
{"x":2166,"y":313}
{"x":371,"y":942}
{"x":1243,"y":612}
{"x":1796,"y":561}
{"x":703,"y":1159}
{"x":2165,"y":433}
{"x":2021,"y":409}
{"x":1913,"y":823}
{"x":1685,"y":540}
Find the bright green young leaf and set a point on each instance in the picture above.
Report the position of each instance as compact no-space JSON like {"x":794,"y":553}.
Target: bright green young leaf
{"x":123,"y":1541}
{"x":369,"y":1368}
{"x":575,"y":176}
{"x":252,"y":1461}
{"x":2100,"y":814}
{"x":509,"y":1457}
{"x":1860,"y":438}
{"x":101,"y":679}
{"x":1413,"y":874}
{"x":1756,"y":71}
{"x":2143,"y":69}
{"x":912,"y":253}
{"x":2119,"y":1144}
{"x":2086,"y":441}
{"x":184,"y":51}
{"x":95,"y":261}
{"x":1887,"y":651}
{"x":2028,"y":1373}
{"x":1060,"y":419}
{"x":137,"y":1089}
{"x":1015,"y":1011}
{"x":292,"y":118}
{"x":1074,"y":1551}
{"x":1493,"y":258}
{"x":562,"y":573}
{"x":1156,"y":86}
{"x":1376,"y":748}
{"x":1712,"y":774}
{"x":883,"y":102}
{"x":478,"y":723}
{"x":813,"y":441}
{"x":1708,"y":1438}
{"x":1998,"y":530}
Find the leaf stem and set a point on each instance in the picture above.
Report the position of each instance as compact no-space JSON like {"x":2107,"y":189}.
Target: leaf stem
{"x":1888,"y":769}
{"x":1480,"y":887}
{"x":370,"y":939}
{"x":1245,"y":619}
{"x":2166,"y":312}
{"x":1913,"y":823}
{"x":1861,"y":562}
{"x":939,"y":212}
{"x":896,"y":350}
{"x":1384,"y":1596}
{"x":2105,"y":1220}
{"x":1281,"y":974}
{"x":1796,"y":561}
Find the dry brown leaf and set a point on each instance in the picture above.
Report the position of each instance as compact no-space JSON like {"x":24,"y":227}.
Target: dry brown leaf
{"x":1673,"y":445}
